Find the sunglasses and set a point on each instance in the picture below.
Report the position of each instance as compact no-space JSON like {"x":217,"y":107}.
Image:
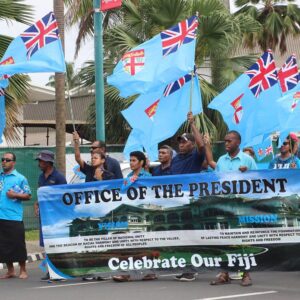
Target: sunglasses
{"x":285,"y":143}
{"x":94,"y":147}
{"x":6,"y":160}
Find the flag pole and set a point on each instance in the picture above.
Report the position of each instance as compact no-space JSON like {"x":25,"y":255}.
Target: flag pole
{"x":191,"y":91}
{"x":99,"y":84}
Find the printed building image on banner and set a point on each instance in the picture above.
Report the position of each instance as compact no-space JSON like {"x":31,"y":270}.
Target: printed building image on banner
{"x":214,"y":220}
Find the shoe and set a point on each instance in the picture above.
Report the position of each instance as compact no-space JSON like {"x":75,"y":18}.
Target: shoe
{"x":185,"y":277}
{"x":222,"y":278}
{"x":101,"y":278}
{"x":88,"y":278}
{"x":246,"y":280}
{"x":149,"y":277}
{"x":46,"y":277}
{"x":121,"y":278}
{"x":97,"y":278}
{"x":57,"y":280}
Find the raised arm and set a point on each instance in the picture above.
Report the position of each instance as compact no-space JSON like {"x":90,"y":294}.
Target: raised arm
{"x":77,"y":150}
{"x":208,"y":152}
{"x":197,"y":135}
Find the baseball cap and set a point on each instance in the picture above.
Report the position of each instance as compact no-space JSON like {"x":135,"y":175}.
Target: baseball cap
{"x":186,"y":137}
{"x":46,"y":155}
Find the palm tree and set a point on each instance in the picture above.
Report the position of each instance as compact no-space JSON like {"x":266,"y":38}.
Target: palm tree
{"x":16,"y":93}
{"x":71,"y":77}
{"x":81,"y":13}
{"x":219,"y":34}
{"x":278,"y":20}
{"x":60,"y":105}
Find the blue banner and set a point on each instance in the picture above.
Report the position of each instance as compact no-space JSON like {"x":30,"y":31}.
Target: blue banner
{"x":228,"y":220}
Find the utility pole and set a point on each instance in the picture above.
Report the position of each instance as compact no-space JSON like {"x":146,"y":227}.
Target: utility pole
{"x":99,"y":81}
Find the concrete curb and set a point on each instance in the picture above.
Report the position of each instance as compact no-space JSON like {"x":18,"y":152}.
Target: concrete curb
{"x":31,"y":257}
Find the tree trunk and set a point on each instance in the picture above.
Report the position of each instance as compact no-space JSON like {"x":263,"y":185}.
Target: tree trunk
{"x":60,"y":104}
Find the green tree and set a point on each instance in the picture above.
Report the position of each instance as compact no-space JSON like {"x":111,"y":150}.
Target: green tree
{"x":218,"y":36}
{"x":16,"y":93}
{"x":71,"y":77}
{"x":278,"y":20}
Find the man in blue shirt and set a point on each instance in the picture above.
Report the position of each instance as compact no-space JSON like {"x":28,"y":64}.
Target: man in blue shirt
{"x":191,"y":152}
{"x":14,"y":189}
{"x":49,"y":176}
{"x":286,"y":159}
{"x":189,"y":159}
{"x":165,"y":154}
{"x":234,"y":159}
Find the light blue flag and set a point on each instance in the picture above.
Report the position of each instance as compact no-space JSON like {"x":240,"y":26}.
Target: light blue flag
{"x":134,"y":142}
{"x":4,"y":83}
{"x":174,"y":106}
{"x":2,"y":114}
{"x":248,"y":105}
{"x":137,"y":141}
{"x":37,"y":49}
{"x":236,"y":104}
{"x":140,"y":116}
{"x":289,"y":111}
{"x":158,"y":115}
{"x":264,"y":149}
{"x":157,"y":62}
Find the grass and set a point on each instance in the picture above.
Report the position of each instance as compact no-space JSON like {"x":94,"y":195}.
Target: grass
{"x":32,"y":235}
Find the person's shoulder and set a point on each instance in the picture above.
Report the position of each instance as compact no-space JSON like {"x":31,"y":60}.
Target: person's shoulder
{"x":59,"y":176}
{"x":222,"y":157}
{"x":18,"y":174}
{"x":111,"y":159}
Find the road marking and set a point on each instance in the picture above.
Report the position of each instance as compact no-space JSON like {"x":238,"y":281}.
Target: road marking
{"x":239,"y":295}
{"x":65,"y":285}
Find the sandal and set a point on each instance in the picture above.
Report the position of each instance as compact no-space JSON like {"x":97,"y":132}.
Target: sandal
{"x":149,"y":277}
{"x":121,"y":278}
{"x":222,"y":278}
{"x":246,"y":280}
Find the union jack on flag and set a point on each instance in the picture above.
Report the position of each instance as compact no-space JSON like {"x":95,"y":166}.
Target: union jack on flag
{"x":288,"y":75}
{"x":269,"y":150}
{"x":176,"y":85}
{"x":263,"y":74}
{"x":182,"y":33}
{"x":41,"y":33}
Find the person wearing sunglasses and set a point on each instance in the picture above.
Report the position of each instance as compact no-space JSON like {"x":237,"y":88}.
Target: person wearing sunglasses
{"x":14,"y":189}
{"x":286,"y":158}
{"x":111,"y":164}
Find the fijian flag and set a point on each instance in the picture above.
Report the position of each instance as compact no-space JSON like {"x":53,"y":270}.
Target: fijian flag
{"x":263,"y":74}
{"x":182,"y":33}
{"x":176,"y":85}
{"x":288,"y":75}
{"x":41,"y":33}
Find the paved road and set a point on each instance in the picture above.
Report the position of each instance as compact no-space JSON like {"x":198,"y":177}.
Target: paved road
{"x":266,"y":286}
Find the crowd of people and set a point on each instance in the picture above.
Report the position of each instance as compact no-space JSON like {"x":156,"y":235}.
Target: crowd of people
{"x":194,"y":155}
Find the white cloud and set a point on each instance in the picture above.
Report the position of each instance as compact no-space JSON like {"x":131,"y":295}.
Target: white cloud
{"x":60,"y":229}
